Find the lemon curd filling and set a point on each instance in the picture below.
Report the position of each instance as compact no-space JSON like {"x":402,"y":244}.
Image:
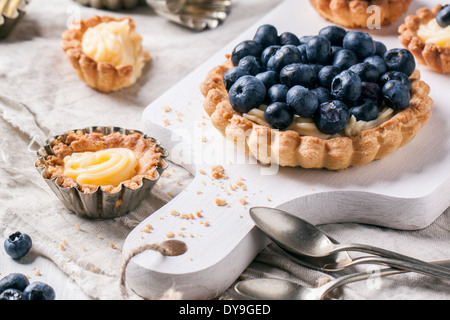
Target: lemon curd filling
{"x":112,"y":42}
{"x":101,"y":168}
{"x":432,"y":32}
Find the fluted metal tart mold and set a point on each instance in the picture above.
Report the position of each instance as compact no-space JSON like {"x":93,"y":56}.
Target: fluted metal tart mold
{"x":7,"y":24}
{"x":100,"y":204}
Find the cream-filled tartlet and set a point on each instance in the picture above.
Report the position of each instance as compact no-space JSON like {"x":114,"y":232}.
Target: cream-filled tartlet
{"x":427,"y":40}
{"x":106,"y":52}
{"x":101,"y":172}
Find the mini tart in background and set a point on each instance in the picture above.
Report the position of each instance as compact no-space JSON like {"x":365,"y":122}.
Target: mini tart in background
{"x":353,"y":14}
{"x":88,"y":161}
{"x":427,"y":41}
{"x":106,"y":52}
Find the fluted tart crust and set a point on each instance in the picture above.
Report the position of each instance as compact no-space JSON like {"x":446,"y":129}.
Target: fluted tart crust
{"x":354,"y":14}
{"x":429,"y":54}
{"x":103,"y":76}
{"x":289,"y":148}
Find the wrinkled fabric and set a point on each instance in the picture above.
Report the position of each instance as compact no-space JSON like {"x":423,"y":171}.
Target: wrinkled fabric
{"x":41,"y":96}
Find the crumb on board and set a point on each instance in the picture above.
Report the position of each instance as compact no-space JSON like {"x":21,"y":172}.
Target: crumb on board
{"x":218,"y":172}
{"x":170,"y":234}
{"x":221,"y":202}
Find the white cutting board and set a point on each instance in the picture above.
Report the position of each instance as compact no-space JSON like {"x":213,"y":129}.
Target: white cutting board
{"x":407,"y":190}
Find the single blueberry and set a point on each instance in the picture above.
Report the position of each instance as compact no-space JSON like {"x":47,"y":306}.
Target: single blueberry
{"x":17,"y":245}
{"x":367,"y":111}
{"x":245,"y":48}
{"x":39,"y":291}
{"x":334,"y":34}
{"x":286,"y":55}
{"x":344,"y":59}
{"x":378,"y":62}
{"x":268,"y":53}
{"x":365,"y":71}
{"x":251,"y":64}
{"x":298,"y":74}
{"x":289,"y":38}
{"x":360,"y":42}
{"x":266,"y":35}
{"x":396,"y":95}
{"x":318,"y":50}
{"x":395,"y":75}
{"x":305,"y":39}
{"x":346,"y":86}
{"x":269,"y":78}
{"x":443,"y":16}
{"x":277,"y":93}
{"x":12,"y":294}
{"x":380,"y":48}
{"x":231,"y":76}
{"x":279,"y":115}
{"x":400,"y":60}
{"x":331,"y":117}
{"x":303,"y":54}
{"x":326,"y":76}
{"x":302,"y":101}
{"x":322,"y":94}
{"x":246,"y":93}
{"x":14,"y":281}
{"x":371,"y":90}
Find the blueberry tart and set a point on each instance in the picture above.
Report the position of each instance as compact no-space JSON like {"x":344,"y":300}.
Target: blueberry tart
{"x":427,"y":35}
{"x":106,"y":52}
{"x":355,"y":13}
{"x":332,"y":100}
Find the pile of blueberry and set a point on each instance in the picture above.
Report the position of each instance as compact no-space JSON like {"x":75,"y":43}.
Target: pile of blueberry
{"x":16,"y":286}
{"x":328,"y":77}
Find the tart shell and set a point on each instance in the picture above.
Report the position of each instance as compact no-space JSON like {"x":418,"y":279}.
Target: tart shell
{"x":353,"y":14}
{"x":103,"y":76}
{"x":428,"y":54}
{"x":288,"y":148}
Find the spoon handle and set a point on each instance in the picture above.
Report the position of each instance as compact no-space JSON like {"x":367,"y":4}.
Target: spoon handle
{"x":401,"y":261}
{"x":354,"y":277}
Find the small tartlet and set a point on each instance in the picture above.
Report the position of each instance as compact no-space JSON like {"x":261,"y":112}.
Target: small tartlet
{"x":103,"y":75}
{"x":429,"y":54}
{"x":288,"y":148}
{"x":354,"y":14}
{"x":101,"y":201}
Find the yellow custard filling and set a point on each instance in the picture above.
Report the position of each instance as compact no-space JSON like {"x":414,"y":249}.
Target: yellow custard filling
{"x":432,"y":32}
{"x":307,"y":127}
{"x":112,"y":42}
{"x":101,"y":168}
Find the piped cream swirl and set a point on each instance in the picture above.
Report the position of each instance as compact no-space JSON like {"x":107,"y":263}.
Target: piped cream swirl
{"x":101,"y":168}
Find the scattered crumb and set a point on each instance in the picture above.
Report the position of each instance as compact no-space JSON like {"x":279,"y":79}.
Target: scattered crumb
{"x":165,"y":174}
{"x":170,"y":235}
{"x":221,"y":202}
{"x":204,"y":139}
{"x":112,"y":245}
{"x":202,"y":172}
{"x":167,"y":109}
{"x":166,"y":122}
{"x":198,"y":192}
{"x":170,"y":194}
{"x":243,"y":201}
{"x":218,"y":172}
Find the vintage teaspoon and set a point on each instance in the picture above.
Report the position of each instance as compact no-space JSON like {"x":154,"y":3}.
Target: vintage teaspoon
{"x":277,"y":289}
{"x":305,"y":240}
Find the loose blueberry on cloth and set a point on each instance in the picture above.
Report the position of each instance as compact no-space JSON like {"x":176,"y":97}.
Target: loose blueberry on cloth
{"x":328,"y":77}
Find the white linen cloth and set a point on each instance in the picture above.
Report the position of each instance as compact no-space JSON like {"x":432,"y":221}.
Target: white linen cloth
{"x":40,"y":96}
